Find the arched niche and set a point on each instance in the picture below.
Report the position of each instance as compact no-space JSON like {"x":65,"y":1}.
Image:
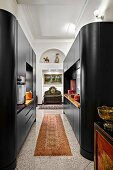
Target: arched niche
{"x":51,"y":55}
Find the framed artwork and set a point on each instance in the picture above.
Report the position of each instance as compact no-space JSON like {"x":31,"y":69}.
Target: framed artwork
{"x":52,"y":78}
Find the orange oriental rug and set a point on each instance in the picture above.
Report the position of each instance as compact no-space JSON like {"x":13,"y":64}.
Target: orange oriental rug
{"x":52,"y":139}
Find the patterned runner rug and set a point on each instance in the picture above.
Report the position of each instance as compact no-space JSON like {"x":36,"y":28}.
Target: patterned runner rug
{"x":52,"y":139}
{"x":50,"y":106}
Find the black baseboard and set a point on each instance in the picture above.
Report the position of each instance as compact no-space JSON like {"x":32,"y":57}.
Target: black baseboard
{"x":87,"y":155}
{"x":12,"y":166}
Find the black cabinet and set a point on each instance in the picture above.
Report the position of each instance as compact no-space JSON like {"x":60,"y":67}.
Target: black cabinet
{"x":27,"y":68}
{"x":29,"y":57}
{"x":23,"y":52}
{"x":21,"y":120}
{"x":96,"y":83}
{"x":72,"y":114}
{"x":14,"y":50}
{"x":8,"y":39}
{"x":72,"y":56}
{"x":25,"y":119}
{"x":96,"y":48}
{"x":76,"y":118}
{"x":34,"y":74}
{"x":30,"y":118}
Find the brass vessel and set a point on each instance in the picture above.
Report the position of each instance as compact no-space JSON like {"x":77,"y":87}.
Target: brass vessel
{"x":106,"y":113}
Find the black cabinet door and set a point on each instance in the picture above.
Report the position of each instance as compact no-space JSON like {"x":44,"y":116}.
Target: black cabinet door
{"x":73,"y":54}
{"x":76,"y":122}
{"x":21,"y":131}
{"x":65,"y":65}
{"x":23,"y":52}
{"x":34,"y":74}
{"x":70,"y":118}
{"x":25,"y":119}
{"x":30,"y":56}
{"x":30,"y":118}
{"x":68,"y":111}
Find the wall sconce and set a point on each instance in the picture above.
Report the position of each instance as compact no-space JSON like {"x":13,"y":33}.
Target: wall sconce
{"x":98,"y":15}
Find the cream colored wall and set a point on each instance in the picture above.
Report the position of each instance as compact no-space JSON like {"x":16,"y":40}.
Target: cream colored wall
{"x":42,"y":47}
{"x":9,"y":5}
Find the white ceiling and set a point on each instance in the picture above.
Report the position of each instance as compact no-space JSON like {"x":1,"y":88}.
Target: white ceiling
{"x":51,"y":19}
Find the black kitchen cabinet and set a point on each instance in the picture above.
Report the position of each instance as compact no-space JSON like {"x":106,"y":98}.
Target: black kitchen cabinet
{"x":67,"y":78}
{"x":96,"y":63}
{"x":8,"y":72}
{"x":26,"y":68}
{"x":25,"y":119}
{"x":14,"y":49}
{"x":23,"y":52}
{"x":34,"y":74}
{"x":76,"y":119}
{"x":72,"y":114}
{"x":30,"y":119}
{"x":73,"y":55}
{"x":96,"y":83}
{"x":67,"y":110}
{"x":21,"y":131}
{"x":29,"y":57}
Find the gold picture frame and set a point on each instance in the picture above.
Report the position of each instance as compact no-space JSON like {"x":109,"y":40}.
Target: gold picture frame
{"x":52,"y":78}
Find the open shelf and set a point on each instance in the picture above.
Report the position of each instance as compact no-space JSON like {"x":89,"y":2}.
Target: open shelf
{"x":77,"y":104}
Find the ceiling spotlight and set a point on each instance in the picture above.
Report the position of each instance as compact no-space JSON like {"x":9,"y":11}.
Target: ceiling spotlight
{"x":98,"y":15}
{"x":71,"y":28}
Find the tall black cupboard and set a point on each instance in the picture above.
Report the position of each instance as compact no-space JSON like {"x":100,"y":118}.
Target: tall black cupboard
{"x":15,"y":121}
{"x":7,"y":90}
{"x":96,"y":50}
{"x":96,"y":83}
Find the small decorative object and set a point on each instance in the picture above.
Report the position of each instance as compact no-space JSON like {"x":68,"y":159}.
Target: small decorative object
{"x":77,"y":97}
{"x":57,"y":58}
{"x":72,"y":96}
{"x":46,"y":59}
{"x":106,"y":113}
{"x":53,"y":90}
{"x":71,"y":92}
{"x":29,"y":95}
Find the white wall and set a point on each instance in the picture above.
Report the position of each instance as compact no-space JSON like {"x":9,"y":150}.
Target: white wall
{"x":104,"y":6}
{"x":41,"y":48}
{"x":51,"y":54}
{"x":9,"y":6}
{"x":44,"y":45}
{"x":39,"y":77}
{"x":16,"y":10}
{"x":46,"y":87}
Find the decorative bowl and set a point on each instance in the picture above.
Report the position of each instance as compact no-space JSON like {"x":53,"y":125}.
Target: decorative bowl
{"x":106,"y":113}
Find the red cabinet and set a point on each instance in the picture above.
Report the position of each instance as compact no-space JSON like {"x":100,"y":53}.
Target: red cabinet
{"x":103,"y":145}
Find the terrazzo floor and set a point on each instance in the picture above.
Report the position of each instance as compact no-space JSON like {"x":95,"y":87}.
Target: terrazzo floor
{"x":26,"y":160}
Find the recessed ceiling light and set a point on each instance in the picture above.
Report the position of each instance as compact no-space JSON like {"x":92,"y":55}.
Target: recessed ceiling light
{"x":71,"y":28}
